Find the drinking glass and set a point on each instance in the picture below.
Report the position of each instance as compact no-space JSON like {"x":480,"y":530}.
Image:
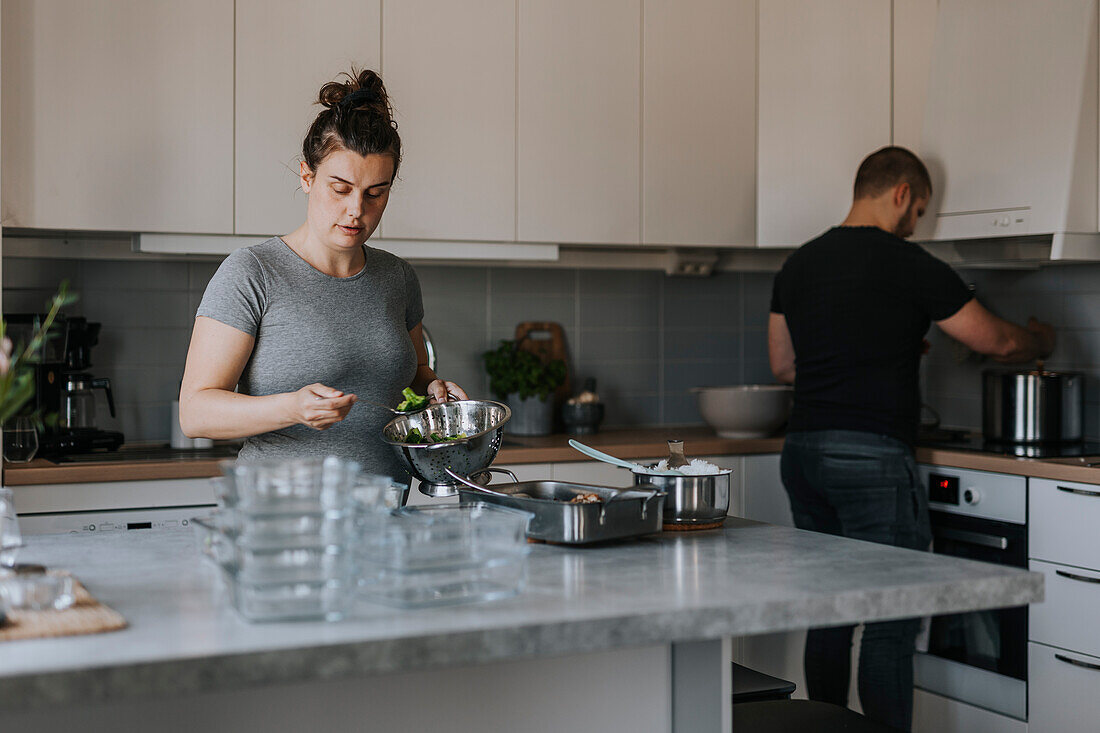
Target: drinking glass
{"x":10,"y":537}
{"x":20,"y":440}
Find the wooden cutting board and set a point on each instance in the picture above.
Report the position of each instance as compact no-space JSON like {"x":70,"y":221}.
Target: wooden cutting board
{"x":85,"y":616}
{"x":546,"y":340}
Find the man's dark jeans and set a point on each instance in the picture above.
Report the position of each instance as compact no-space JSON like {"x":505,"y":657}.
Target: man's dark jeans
{"x":864,"y":486}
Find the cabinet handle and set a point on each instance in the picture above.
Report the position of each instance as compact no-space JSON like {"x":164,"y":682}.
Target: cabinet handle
{"x":1076,"y":662}
{"x":1082,"y":492}
{"x":1072,"y":576}
{"x":973,"y":538}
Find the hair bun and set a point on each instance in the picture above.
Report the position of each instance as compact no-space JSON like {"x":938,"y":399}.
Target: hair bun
{"x":363,"y":90}
{"x":357,"y":117}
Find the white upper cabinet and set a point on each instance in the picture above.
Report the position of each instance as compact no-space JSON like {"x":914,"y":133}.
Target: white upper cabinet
{"x":118,"y":116}
{"x":450,"y":68}
{"x":579,"y":121}
{"x":914,"y":30}
{"x":1010,"y":123}
{"x":824,"y":104}
{"x":699,"y":122}
{"x":286,"y":50}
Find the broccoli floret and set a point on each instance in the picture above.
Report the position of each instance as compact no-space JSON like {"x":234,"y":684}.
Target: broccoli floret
{"x":414,"y":436}
{"x":412,"y":401}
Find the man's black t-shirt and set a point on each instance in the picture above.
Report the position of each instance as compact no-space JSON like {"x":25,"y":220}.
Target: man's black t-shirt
{"x":858,"y":302}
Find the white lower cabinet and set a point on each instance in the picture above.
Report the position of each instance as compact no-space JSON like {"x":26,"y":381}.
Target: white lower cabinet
{"x":1067,"y":618}
{"x":1062,"y":521}
{"x":934,"y":713}
{"x":1063,"y":691}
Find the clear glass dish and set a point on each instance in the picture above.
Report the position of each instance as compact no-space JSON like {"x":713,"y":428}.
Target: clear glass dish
{"x":490,"y":580}
{"x":441,"y":555}
{"x":326,"y":600}
{"x":438,"y":537}
{"x":299,"y":485}
{"x":284,"y":561}
{"x":330,"y":527}
{"x":33,"y":588}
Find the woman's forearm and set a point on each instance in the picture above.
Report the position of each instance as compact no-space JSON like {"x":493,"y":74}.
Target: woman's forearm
{"x":221,"y":414}
{"x":424,"y":377}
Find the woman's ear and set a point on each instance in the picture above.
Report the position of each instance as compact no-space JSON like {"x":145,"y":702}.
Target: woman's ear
{"x":305,"y":175}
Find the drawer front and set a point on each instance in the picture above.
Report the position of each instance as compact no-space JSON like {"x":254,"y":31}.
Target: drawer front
{"x":1062,"y":522}
{"x":1062,"y":695}
{"x":1070,"y":616}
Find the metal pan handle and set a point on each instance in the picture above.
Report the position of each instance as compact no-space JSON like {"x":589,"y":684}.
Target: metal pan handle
{"x":505,"y":471}
{"x":653,"y":492}
{"x":476,"y":487}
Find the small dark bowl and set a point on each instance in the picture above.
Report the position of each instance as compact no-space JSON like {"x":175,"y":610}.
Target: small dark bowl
{"x":583,"y":419}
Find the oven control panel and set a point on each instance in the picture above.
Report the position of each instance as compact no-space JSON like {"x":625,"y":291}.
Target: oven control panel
{"x":983,"y":494}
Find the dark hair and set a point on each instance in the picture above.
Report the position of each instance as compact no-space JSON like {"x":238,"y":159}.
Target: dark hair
{"x":357,"y":117}
{"x":886,"y":168}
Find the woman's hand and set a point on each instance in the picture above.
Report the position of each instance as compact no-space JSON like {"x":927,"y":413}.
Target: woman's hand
{"x":320,"y":407}
{"x":438,"y":390}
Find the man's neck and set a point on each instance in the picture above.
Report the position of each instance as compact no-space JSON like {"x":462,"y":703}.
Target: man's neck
{"x":865,"y":214}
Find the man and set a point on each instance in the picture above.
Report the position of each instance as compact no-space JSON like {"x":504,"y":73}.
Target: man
{"x":848,"y":317}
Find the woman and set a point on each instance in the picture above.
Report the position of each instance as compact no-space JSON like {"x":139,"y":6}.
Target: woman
{"x":303,"y":325}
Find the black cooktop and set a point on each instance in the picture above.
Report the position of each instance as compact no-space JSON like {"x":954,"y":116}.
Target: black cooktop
{"x":150,"y":454}
{"x":965,"y":441}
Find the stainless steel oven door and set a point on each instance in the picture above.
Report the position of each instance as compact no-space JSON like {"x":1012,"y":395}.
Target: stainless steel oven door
{"x":979,"y":657}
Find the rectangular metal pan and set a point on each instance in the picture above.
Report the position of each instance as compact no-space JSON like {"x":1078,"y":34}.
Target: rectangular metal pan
{"x":635,"y":512}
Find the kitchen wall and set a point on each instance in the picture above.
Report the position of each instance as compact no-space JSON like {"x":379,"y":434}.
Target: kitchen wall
{"x":1067,"y":296}
{"x":647,"y":338}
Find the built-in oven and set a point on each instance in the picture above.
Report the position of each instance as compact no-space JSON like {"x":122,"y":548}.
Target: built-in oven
{"x":979,"y":657}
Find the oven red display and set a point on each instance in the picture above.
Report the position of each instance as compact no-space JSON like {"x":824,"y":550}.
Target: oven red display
{"x":943,"y":489}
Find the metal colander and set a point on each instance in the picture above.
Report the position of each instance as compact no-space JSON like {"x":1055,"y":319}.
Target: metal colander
{"x":481,"y":420}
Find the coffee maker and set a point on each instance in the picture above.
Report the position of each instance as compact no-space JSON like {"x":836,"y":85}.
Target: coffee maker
{"x":64,"y":388}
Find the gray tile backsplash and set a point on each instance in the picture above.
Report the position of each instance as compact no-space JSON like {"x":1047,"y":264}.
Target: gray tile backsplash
{"x":1068,"y":296}
{"x":646,"y":337}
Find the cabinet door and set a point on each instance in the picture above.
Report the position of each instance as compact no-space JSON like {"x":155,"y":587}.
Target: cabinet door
{"x":579,"y":118}
{"x":914,"y":30}
{"x":1062,"y":522}
{"x":118,"y":116}
{"x":451,"y":69}
{"x":285,"y":51}
{"x":699,"y":122}
{"x":765,"y":498}
{"x":824,"y":105}
{"x":1061,"y":690}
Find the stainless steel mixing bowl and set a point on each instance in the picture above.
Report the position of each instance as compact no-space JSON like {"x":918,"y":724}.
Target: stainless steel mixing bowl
{"x":482,"y":421}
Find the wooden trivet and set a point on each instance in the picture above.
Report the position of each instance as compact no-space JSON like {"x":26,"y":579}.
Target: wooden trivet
{"x":85,"y":616}
{"x":692,"y":527}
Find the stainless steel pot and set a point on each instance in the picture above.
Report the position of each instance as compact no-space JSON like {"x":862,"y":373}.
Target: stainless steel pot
{"x":691,"y":499}
{"x":1035,"y":406}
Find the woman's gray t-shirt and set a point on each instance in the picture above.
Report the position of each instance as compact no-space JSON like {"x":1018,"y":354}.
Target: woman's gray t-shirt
{"x":349,"y":333}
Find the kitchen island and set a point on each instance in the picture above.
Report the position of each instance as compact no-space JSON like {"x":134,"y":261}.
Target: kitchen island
{"x":633,"y":636}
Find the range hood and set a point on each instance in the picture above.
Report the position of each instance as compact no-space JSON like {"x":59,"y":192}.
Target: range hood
{"x":1011,"y":133}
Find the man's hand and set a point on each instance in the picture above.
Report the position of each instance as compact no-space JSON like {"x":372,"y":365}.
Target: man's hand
{"x":1044,"y":333}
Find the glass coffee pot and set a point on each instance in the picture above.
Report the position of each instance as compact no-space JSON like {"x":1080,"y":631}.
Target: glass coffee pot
{"x":78,"y":406}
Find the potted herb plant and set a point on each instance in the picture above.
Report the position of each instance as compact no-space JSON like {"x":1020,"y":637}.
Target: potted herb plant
{"x":526,"y":383}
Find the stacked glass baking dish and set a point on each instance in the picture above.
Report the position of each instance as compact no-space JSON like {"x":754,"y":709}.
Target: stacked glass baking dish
{"x":306,"y":539}
{"x":441,"y":555}
{"x":283,"y":533}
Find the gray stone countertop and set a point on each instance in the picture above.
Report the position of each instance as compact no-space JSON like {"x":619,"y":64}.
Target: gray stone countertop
{"x":747,"y":578}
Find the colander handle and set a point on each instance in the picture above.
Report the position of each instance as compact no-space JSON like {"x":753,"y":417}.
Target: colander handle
{"x":476,"y":487}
